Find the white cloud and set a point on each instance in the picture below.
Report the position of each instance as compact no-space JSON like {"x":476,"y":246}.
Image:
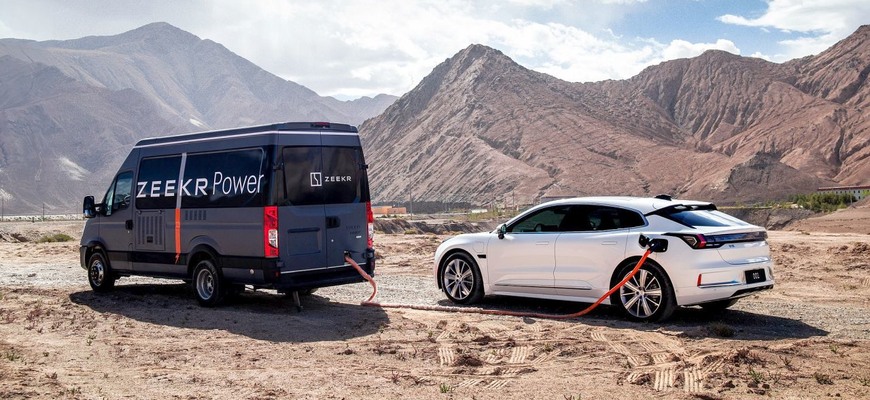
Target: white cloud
{"x":823,"y":22}
{"x":684,"y":49}
{"x":364,"y":48}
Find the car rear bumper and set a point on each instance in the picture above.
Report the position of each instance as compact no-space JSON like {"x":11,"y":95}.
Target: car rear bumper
{"x":726,"y":283}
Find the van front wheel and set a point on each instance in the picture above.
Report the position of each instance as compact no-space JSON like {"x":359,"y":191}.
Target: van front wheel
{"x":208,"y":284}
{"x":99,"y":274}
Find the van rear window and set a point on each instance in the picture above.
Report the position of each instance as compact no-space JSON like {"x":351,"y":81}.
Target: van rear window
{"x":324,"y":175}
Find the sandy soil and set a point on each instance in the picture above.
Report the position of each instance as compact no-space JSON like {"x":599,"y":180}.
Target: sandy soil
{"x":808,"y":338}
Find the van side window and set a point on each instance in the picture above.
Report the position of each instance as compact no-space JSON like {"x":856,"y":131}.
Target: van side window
{"x":156,"y":184}
{"x":118,"y":195}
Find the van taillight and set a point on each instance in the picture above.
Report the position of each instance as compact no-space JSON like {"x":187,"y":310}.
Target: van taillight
{"x":270,"y":231}
{"x":370,"y":217}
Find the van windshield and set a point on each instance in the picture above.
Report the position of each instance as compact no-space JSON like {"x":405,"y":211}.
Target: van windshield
{"x":324,"y":175}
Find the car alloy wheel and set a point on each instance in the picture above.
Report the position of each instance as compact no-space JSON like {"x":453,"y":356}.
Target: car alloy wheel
{"x":642,"y":295}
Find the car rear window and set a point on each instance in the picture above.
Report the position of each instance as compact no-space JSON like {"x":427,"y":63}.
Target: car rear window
{"x":324,"y":175}
{"x":694,"y":218}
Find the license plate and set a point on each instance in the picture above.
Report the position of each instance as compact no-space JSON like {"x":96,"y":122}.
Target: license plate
{"x":755,"y":276}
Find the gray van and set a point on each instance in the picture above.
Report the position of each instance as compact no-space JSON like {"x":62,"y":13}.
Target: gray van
{"x":275,"y":206}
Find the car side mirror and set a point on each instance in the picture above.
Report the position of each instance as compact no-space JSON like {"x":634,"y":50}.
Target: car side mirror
{"x":89,"y":210}
{"x":502,"y":229}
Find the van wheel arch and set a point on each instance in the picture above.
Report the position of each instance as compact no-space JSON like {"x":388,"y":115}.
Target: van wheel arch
{"x":198,"y":254}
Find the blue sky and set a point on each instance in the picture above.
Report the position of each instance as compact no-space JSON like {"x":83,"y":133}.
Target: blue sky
{"x":352,"y":48}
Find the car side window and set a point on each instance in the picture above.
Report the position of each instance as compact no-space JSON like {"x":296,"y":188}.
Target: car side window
{"x":118,"y":195}
{"x":603,"y":218}
{"x":546,"y":220}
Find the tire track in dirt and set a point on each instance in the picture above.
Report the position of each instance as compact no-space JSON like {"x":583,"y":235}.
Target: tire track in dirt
{"x":446,"y":356}
{"x":519,"y":354}
{"x":692,"y":381}
{"x":664,"y":379}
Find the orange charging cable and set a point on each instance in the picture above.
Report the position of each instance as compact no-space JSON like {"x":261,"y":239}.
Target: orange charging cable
{"x":370,"y":303}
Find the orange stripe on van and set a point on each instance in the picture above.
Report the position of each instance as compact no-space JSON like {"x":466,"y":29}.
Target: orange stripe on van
{"x":177,"y":234}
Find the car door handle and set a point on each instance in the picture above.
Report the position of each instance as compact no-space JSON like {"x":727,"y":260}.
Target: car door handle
{"x":332,"y":222}
{"x":608,"y":242}
{"x":541,"y":243}
{"x":128,"y":224}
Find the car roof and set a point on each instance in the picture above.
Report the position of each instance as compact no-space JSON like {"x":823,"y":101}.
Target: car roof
{"x":644,"y":205}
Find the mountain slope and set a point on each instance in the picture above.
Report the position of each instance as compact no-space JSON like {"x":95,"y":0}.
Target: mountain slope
{"x":481,"y":128}
{"x":71,"y":110}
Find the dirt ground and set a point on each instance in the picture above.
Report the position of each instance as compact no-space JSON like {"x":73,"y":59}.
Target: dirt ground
{"x":809,"y":338}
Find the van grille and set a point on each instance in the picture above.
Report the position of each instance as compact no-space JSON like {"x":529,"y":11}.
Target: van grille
{"x":195,"y":215}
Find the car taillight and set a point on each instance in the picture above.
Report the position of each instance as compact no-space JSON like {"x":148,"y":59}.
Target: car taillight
{"x":270,"y":231}
{"x":698,"y":241}
{"x":695,"y":241}
{"x":370,"y":217}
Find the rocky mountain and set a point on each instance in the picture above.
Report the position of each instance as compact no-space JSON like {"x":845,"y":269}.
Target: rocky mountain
{"x":481,"y":128}
{"x":70,"y":110}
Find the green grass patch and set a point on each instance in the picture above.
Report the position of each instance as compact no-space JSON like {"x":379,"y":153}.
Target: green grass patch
{"x":57,"y":237}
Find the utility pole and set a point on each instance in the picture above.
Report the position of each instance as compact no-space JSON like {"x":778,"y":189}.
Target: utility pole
{"x":43,"y":211}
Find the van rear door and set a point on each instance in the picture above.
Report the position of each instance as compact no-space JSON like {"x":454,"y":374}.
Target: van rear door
{"x":323,"y":210}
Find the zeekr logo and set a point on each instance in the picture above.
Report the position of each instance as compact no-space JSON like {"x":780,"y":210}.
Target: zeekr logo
{"x":316,"y":179}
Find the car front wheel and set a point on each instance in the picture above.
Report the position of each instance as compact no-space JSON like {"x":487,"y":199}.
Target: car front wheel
{"x":461,"y":280}
{"x":647,"y":296}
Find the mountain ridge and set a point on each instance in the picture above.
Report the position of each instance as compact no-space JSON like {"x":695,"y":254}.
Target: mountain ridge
{"x":151,"y":81}
{"x":714,"y":126}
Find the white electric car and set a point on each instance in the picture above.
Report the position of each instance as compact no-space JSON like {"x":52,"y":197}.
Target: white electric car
{"x":577,"y":249}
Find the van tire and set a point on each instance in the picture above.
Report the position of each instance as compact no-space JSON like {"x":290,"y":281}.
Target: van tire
{"x":208,"y":285}
{"x":100,"y":275}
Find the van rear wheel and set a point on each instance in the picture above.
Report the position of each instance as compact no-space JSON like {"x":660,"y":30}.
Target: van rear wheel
{"x":208,"y":284}
{"x":100,"y":275}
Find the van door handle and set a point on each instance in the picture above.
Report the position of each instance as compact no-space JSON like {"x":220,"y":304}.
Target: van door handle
{"x":541,"y":243}
{"x":332,"y":222}
{"x":608,"y":242}
{"x":128,"y":224}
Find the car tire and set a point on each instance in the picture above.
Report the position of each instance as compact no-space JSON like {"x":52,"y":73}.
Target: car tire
{"x":716,"y":306}
{"x":461,"y":280}
{"x":648,"y":296}
{"x":100,"y":275}
{"x":208,"y":285}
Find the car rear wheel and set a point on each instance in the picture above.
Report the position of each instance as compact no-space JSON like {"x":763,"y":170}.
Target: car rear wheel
{"x":100,"y":275}
{"x":647,"y":296}
{"x":461,"y":280}
{"x":208,"y":284}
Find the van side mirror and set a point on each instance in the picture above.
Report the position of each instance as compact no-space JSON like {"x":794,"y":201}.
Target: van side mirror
{"x":89,"y":210}
{"x":502,"y":229}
